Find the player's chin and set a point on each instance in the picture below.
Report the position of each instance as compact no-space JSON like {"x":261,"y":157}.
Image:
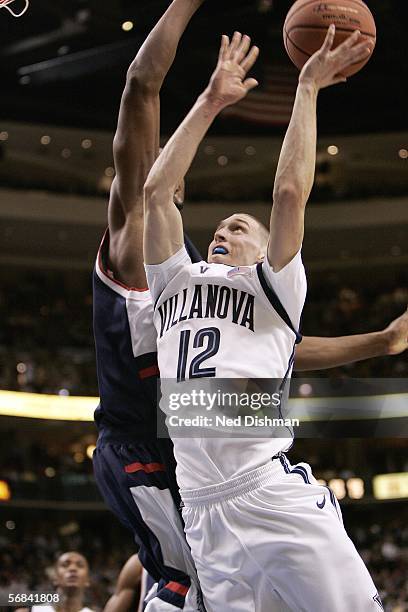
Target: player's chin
{"x":72,"y":579}
{"x":219,"y":258}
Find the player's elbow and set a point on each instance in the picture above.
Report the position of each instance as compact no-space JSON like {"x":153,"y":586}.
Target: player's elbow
{"x":141,"y":81}
{"x":288,"y":196}
{"x":155,"y":193}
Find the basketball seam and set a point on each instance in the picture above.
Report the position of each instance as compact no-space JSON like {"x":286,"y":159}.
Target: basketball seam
{"x":296,"y":47}
{"x":360,"y":4}
{"x":304,"y":52}
{"x":288,"y":51}
{"x":316,"y":27}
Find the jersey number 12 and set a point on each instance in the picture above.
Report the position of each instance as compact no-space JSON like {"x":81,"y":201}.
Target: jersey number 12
{"x":212,"y":336}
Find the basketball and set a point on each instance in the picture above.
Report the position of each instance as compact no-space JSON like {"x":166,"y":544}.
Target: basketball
{"x":307,"y":23}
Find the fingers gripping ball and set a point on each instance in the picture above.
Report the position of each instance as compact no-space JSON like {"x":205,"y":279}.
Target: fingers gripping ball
{"x":307,"y":22}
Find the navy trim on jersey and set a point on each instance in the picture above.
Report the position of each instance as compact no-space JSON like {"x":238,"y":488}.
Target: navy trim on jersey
{"x":285,"y":378}
{"x":276,"y":303}
{"x":192,"y":250}
{"x":280,"y":310}
{"x":282,"y":387}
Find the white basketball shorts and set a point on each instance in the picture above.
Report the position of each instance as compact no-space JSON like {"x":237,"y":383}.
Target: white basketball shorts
{"x":273,"y":540}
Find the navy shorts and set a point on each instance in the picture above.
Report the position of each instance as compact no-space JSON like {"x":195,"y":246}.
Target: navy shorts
{"x":137,"y":482}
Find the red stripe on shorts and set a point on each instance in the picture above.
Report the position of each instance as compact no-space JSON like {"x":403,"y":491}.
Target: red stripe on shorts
{"x":144,"y":467}
{"x":150,"y":371}
{"x":176,"y":587}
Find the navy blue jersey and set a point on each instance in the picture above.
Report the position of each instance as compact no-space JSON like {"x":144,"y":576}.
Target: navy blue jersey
{"x":125,"y":341}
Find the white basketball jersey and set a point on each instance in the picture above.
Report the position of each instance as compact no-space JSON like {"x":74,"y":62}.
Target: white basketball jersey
{"x":217,"y":321}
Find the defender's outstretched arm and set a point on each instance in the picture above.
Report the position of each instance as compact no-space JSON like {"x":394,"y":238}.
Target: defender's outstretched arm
{"x":317,"y":353}
{"x":163,"y":225}
{"x":136,"y":142}
{"x":296,"y":167}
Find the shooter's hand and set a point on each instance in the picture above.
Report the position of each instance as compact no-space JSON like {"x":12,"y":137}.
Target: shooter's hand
{"x":325,"y":66}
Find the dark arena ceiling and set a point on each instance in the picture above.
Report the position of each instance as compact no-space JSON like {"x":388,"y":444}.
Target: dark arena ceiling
{"x":64,"y":63}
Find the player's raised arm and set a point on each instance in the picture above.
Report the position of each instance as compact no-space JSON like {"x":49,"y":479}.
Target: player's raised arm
{"x":136,"y":142}
{"x":317,"y":353}
{"x":163,"y":225}
{"x":296,"y":167}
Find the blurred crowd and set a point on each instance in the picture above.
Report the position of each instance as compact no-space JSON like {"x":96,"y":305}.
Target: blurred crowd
{"x":27,"y":553}
{"x":384,"y":549}
{"x":29,"y":549}
{"x":332,"y":310}
{"x":46,"y":343}
{"x":49,"y":467}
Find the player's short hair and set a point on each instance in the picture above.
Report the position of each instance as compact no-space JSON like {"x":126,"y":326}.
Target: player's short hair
{"x":59,"y":556}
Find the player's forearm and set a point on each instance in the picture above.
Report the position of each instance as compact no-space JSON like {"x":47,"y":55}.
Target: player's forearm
{"x":125,"y":601}
{"x":174,"y":161}
{"x":157,"y":53}
{"x":163,"y":228}
{"x":296,"y":166}
{"x":317,"y":353}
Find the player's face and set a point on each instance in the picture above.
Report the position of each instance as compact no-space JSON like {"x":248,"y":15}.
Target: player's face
{"x":237,"y":242}
{"x":72,"y":571}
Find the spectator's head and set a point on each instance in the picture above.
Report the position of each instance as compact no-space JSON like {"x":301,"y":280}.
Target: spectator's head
{"x":71,"y":572}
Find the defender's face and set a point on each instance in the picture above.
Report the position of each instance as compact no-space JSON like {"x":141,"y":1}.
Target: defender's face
{"x":72,"y":571}
{"x":236,"y":242}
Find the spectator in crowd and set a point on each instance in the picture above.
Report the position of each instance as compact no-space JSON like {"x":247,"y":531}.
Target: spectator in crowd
{"x":70,"y":578}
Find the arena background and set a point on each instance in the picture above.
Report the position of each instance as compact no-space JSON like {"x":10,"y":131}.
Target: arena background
{"x":62,"y":72}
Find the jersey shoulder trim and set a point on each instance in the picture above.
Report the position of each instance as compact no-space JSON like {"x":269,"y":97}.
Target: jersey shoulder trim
{"x":109,"y":280}
{"x":276,"y":303}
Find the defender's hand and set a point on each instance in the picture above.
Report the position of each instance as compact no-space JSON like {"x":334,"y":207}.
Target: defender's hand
{"x":325,"y":66}
{"x":397,"y":335}
{"x":228,"y":83}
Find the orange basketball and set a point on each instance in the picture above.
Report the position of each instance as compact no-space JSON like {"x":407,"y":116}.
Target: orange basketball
{"x":307,"y":23}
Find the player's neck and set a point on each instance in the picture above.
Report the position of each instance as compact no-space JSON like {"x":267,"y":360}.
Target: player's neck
{"x":70,"y":602}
